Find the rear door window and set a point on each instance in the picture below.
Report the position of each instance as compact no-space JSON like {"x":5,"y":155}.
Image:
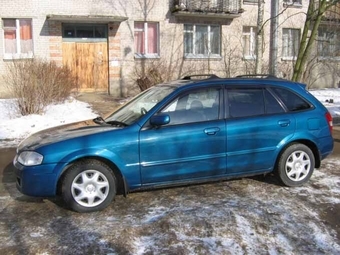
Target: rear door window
{"x":245,"y":102}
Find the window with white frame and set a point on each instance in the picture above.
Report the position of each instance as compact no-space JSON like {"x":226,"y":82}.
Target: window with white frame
{"x":292,"y":2}
{"x":328,"y":42}
{"x":202,"y":41}
{"x":250,"y":1}
{"x":146,"y":39}
{"x":18,"y":38}
{"x":290,"y":43}
{"x":249,"y":42}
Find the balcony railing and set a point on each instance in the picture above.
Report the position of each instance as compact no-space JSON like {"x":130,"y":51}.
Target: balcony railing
{"x":221,"y":7}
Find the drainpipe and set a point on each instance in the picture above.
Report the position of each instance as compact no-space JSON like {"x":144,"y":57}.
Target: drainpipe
{"x":273,"y":55}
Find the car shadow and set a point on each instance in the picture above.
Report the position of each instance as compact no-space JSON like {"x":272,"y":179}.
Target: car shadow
{"x":336,"y":140}
{"x":269,"y":178}
{"x":8,"y":174}
{"x":59,"y":202}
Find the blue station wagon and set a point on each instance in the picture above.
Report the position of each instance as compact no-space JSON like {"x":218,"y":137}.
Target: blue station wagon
{"x":186,"y":131}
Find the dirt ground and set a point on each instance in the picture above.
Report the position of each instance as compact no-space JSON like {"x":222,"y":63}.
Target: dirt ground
{"x":101,"y":103}
{"x":243,"y":216}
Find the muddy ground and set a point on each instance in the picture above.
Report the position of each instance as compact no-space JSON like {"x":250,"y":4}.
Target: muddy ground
{"x":243,"y":216}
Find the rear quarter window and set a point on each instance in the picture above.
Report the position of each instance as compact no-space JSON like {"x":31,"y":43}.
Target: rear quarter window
{"x":292,"y":101}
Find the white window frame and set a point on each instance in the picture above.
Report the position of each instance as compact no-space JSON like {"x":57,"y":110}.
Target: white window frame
{"x":145,"y":30}
{"x":209,"y":55}
{"x":290,"y":44}
{"x":18,"y":54}
{"x":292,"y":3}
{"x":252,"y":43}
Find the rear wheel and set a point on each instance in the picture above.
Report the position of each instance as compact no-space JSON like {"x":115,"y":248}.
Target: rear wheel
{"x":88,"y":186}
{"x":296,"y":165}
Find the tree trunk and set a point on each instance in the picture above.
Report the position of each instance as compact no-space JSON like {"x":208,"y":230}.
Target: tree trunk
{"x":259,"y":38}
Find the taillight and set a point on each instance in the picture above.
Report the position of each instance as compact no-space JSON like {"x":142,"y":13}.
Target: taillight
{"x":329,"y":121}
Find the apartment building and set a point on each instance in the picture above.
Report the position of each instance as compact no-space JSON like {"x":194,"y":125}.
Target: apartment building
{"x":110,"y":44}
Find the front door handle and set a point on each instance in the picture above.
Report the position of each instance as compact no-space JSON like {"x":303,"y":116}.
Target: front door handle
{"x":211,"y":131}
{"x":284,"y":123}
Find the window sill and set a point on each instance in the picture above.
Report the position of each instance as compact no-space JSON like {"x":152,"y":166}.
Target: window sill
{"x":252,"y":58}
{"x":146,"y":56}
{"x":250,"y":2}
{"x":289,"y":58}
{"x":292,"y":5}
{"x":192,"y":56}
{"x":8,"y":56}
{"x":329,"y":58}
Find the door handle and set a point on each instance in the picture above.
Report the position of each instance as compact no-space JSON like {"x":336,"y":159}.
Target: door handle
{"x":211,"y":131}
{"x":284,"y":123}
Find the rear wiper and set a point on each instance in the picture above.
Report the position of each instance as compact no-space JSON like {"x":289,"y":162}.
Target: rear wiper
{"x":100,"y":120}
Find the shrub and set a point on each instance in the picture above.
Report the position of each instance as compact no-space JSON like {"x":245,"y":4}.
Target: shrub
{"x":37,"y":83}
{"x":151,"y":74}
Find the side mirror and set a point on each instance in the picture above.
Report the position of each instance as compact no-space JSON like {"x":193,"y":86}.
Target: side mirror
{"x":160,"y":119}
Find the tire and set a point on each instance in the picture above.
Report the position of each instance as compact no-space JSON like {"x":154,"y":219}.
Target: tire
{"x":88,"y":186}
{"x":296,"y":165}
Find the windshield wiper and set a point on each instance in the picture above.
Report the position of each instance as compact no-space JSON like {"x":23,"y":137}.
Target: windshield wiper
{"x":100,"y":120}
{"x":117,"y":123}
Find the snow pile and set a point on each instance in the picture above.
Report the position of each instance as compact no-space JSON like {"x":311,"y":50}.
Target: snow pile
{"x":14,"y":128}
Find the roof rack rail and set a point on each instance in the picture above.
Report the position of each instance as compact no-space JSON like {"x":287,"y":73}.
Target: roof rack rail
{"x":210,"y":76}
{"x":268,"y":76}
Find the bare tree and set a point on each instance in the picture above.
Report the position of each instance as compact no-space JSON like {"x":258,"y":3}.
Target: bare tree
{"x":232,"y":59}
{"x":315,"y":13}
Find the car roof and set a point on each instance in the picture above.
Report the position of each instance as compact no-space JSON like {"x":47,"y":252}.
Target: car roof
{"x":258,"y":79}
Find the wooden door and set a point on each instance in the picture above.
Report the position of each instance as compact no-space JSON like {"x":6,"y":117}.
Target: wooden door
{"x":89,"y":62}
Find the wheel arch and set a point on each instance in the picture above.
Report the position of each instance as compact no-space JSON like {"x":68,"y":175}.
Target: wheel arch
{"x":122,"y":186}
{"x":312,"y":146}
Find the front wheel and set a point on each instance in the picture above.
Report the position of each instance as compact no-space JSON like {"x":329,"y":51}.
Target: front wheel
{"x":296,"y":165}
{"x":88,"y":186}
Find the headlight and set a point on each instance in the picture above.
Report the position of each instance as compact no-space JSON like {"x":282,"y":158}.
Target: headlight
{"x":30,"y":158}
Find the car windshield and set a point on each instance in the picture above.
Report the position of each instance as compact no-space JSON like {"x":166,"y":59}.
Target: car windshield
{"x":140,"y":105}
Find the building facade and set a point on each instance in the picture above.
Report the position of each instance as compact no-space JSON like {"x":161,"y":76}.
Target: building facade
{"x":112,"y":44}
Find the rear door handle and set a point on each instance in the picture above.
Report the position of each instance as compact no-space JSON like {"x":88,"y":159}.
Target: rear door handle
{"x":211,"y":131}
{"x":284,"y":123}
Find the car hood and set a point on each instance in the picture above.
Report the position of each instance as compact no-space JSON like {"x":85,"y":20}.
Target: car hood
{"x":61,"y":133}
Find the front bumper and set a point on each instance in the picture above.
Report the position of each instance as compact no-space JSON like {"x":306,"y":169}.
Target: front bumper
{"x":37,"y":181}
